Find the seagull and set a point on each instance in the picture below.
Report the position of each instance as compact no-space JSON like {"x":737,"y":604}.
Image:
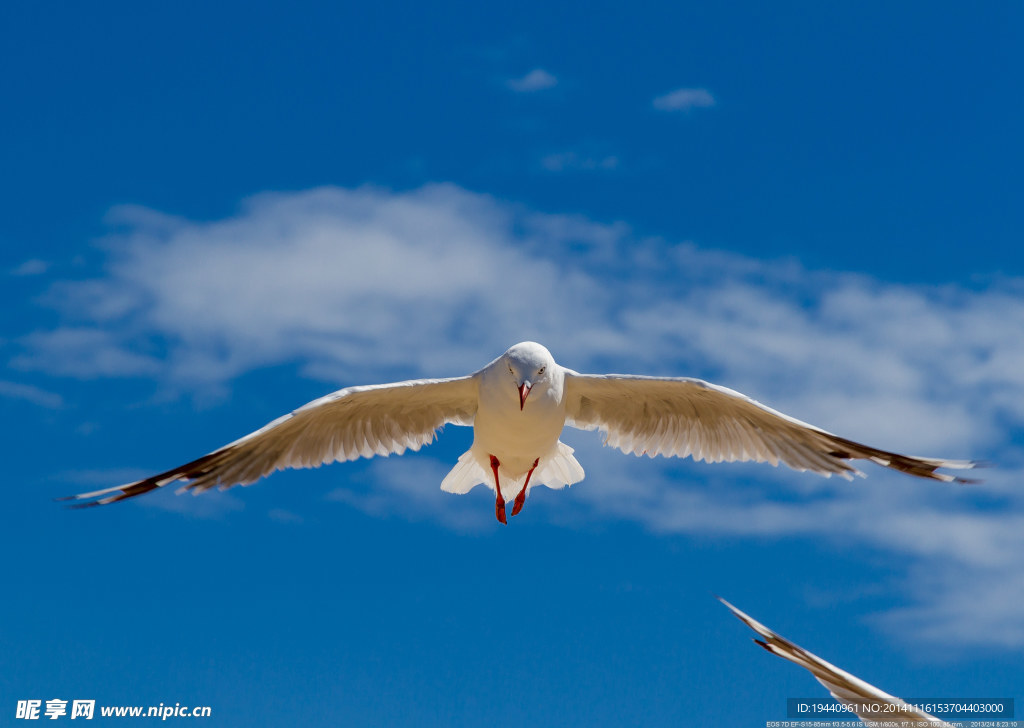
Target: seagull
{"x":517,"y":406}
{"x":869,"y":703}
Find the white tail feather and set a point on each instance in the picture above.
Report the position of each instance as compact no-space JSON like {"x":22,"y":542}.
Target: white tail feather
{"x":555,"y":470}
{"x":466,"y":475}
{"x":559,"y":469}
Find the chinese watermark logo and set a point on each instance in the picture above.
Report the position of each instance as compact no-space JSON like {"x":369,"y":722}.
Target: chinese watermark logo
{"x":86,"y":709}
{"x":55,"y":708}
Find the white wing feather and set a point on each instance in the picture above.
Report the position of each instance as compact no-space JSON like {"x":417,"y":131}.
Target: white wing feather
{"x":680,"y":417}
{"x":348,"y":424}
{"x":846,"y":688}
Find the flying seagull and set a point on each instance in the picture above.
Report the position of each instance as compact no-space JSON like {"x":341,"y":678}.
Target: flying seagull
{"x":517,"y":406}
{"x":870,"y":704}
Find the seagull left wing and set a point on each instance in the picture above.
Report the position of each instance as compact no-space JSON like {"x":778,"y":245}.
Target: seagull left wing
{"x":345,"y":425}
{"x":868,"y":702}
{"x":680,"y":417}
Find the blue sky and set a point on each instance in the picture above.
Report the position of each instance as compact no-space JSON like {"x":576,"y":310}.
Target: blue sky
{"x":217,"y":212}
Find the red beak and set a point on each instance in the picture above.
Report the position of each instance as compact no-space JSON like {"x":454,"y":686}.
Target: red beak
{"x":524,"y":390}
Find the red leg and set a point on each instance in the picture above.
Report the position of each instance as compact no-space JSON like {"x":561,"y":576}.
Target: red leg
{"x":499,"y":502}
{"x":521,"y":498}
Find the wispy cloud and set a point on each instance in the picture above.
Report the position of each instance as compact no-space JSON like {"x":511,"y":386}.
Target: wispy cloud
{"x":32,"y":267}
{"x":576,"y":162}
{"x":213,"y":505}
{"x":684,"y":99}
{"x":953,"y":542}
{"x":332,"y":278}
{"x":280,"y":515}
{"x":30,"y":393}
{"x":403,"y":488}
{"x":85,"y":353}
{"x":536,"y":80}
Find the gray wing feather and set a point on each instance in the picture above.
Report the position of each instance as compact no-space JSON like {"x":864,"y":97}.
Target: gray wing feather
{"x":683,"y":417}
{"x":348,"y":424}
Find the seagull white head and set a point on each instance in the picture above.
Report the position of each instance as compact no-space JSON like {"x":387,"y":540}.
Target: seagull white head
{"x":530,"y":365}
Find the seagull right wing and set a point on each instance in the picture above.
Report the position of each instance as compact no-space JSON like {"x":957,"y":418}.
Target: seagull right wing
{"x":348,"y":424}
{"x":868,"y":702}
{"x":677,"y":417}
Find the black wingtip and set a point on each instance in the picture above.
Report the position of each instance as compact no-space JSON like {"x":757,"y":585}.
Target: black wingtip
{"x":85,"y":501}
{"x":75,"y":506}
{"x":974,"y":465}
{"x":80,"y":506}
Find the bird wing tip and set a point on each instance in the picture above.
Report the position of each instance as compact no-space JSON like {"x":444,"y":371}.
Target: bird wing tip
{"x":745,"y":618}
{"x":80,"y":506}
{"x":90,"y":499}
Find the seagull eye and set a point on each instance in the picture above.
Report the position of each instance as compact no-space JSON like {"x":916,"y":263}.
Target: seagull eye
{"x":541,"y":370}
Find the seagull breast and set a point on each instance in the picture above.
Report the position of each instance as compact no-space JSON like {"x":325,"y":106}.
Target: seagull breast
{"x":518,"y":435}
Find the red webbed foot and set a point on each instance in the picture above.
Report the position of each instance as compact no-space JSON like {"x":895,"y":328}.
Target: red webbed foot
{"x":521,"y":498}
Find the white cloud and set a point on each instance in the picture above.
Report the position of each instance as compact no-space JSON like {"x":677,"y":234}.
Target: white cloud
{"x":407,"y":488}
{"x":284,"y":516}
{"x":946,"y":609}
{"x":950,"y":543}
{"x":574,"y":161}
{"x":684,"y":99}
{"x":536,"y":80}
{"x":29,"y":393}
{"x":32,"y":267}
{"x":212,"y":505}
{"x":331,"y":278}
{"x":371,"y":285}
{"x":85,"y":353}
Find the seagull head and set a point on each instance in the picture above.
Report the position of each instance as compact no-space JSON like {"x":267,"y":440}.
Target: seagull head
{"x":529,"y":364}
